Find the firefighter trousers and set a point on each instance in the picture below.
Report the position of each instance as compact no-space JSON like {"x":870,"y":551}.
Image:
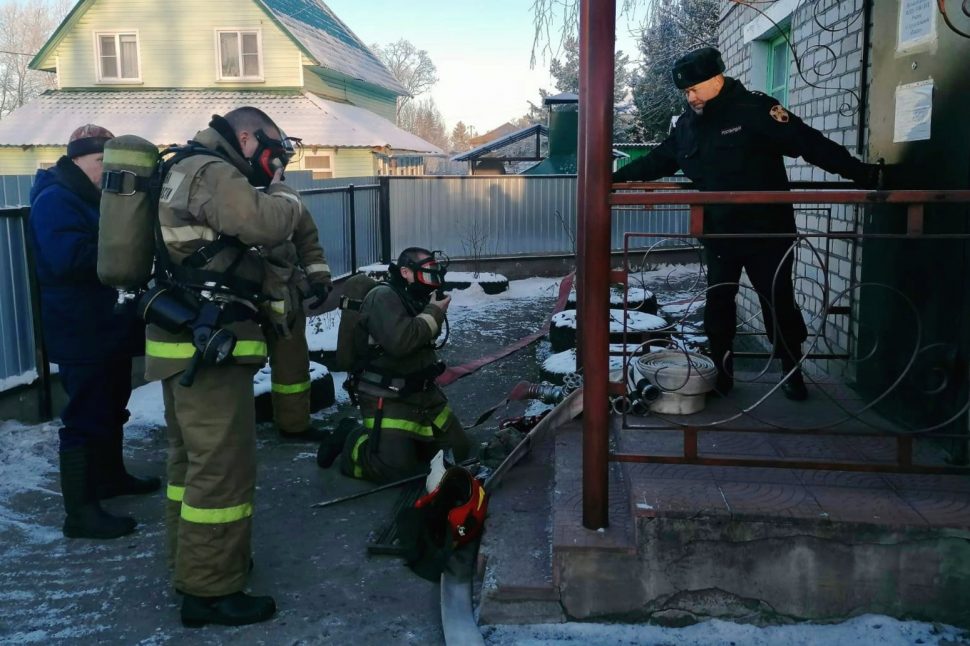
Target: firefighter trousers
{"x":400,"y":436}
{"x":290,"y":365}
{"x":211,"y":478}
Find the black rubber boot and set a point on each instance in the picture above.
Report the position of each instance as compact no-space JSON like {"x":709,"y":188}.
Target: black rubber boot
{"x":723,"y":359}
{"x":794,"y":387}
{"x":85,"y":518}
{"x":112,"y":479}
{"x":333,"y":443}
{"x":236,"y":609}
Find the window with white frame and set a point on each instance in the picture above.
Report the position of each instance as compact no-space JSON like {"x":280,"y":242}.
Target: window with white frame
{"x":118,"y":56}
{"x":239,"y":55}
{"x":320,"y":164}
{"x":777,"y":73}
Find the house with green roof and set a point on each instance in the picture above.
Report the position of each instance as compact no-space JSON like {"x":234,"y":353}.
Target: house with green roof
{"x":160,"y":70}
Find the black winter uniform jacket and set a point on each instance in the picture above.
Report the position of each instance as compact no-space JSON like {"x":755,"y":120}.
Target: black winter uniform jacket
{"x":738,"y":144}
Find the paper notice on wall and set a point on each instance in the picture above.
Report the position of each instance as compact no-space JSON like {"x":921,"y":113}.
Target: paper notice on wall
{"x":917,"y":25}
{"x":914,"y":111}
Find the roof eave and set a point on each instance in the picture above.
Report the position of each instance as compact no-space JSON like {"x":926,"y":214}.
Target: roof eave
{"x":69,"y":21}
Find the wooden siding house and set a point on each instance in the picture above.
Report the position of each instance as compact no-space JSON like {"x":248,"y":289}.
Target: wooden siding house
{"x":160,"y":70}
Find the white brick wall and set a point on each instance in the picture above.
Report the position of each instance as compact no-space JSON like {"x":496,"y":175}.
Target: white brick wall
{"x":836,"y":113}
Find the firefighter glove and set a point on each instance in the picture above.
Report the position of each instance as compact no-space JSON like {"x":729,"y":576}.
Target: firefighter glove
{"x":321,"y":290}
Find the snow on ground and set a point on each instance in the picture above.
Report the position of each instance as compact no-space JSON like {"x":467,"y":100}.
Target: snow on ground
{"x":865,"y":630}
{"x":28,"y":462}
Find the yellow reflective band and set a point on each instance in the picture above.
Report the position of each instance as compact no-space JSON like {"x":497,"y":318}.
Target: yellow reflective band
{"x":401,"y":425}
{"x":121,"y":157}
{"x":291,"y":389}
{"x":216,"y":516}
{"x":442,"y":417}
{"x":249,"y":349}
{"x":481,"y":497}
{"x":317,"y":268}
{"x":188,"y":233}
{"x":358,"y":472}
{"x":278,"y":306}
{"x":179,"y":350}
{"x":175,"y":493}
{"x":169,"y":349}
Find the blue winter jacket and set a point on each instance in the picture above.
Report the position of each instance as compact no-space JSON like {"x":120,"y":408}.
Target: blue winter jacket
{"x":80,"y":321}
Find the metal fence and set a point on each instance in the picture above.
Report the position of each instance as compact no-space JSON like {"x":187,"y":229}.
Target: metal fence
{"x":496,"y":216}
{"x":360,"y":221}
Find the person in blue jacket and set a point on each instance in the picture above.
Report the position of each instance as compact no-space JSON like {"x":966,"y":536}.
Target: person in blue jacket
{"x":90,"y":339}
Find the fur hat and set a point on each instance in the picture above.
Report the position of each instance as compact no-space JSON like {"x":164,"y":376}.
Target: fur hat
{"x":87,"y":139}
{"x":696,"y":67}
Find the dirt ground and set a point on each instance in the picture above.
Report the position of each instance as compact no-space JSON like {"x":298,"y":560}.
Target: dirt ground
{"x":313,"y":561}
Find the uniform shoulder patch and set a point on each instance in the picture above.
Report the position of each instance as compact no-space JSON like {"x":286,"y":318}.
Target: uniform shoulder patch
{"x":779,"y":114}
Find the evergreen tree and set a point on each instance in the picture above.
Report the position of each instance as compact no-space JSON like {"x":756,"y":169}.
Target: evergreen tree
{"x":673,"y":29}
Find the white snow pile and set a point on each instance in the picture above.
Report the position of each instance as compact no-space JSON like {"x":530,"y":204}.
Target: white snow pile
{"x":865,"y":630}
{"x":635,"y":321}
{"x":632,"y":295}
{"x":321,"y":331}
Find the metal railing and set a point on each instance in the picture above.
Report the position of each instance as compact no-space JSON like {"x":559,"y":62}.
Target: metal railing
{"x":596,"y":337}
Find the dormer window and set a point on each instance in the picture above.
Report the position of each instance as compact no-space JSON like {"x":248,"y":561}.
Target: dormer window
{"x":118,"y":60}
{"x":239,"y":55}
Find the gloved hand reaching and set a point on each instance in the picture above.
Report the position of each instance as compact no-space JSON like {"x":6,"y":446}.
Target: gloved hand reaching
{"x":870,"y":177}
{"x":321,"y":290}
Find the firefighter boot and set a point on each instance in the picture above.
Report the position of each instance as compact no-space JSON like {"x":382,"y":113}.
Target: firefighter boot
{"x":333,"y":444}
{"x":85,"y":518}
{"x":112,"y":479}
{"x":236,"y":609}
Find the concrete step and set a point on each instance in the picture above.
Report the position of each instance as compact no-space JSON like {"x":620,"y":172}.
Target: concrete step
{"x":515,"y":556}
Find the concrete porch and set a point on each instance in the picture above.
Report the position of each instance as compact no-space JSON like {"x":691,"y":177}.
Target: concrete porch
{"x":759,"y":545}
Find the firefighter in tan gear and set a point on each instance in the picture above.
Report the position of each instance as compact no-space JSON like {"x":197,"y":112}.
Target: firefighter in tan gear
{"x":406,"y":417}
{"x":300,"y":269}
{"x":211,"y":217}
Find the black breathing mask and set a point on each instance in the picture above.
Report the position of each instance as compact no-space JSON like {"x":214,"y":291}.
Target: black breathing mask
{"x":429,"y":274}
{"x":271,"y":155}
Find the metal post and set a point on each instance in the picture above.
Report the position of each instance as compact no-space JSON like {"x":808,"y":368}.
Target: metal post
{"x":384,"y":216}
{"x":44,"y":405}
{"x":353,"y":230}
{"x":597,"y":31}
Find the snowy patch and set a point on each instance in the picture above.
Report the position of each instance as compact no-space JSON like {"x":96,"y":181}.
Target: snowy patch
{"x":633,"y":295}
{"x":28,"y":459}
{"x":635,"y":321}
{"x":859,"y":631}
{"x":563,"y":363}
{"x":262,"y":382}
{"x":321,"y":331}
{"x":472,"y":277}
{"x":8,"y":383}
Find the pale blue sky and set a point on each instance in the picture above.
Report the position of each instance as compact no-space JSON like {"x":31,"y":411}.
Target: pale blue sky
{"x":480,"y":47}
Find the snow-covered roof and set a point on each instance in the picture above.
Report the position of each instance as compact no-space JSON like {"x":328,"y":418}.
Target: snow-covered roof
{"x":174,"y":116}
{"x":331,"y":42}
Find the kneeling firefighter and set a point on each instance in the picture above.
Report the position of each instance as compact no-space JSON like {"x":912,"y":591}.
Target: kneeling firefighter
{"x":406,"y":417}
{"x":205,"y":342}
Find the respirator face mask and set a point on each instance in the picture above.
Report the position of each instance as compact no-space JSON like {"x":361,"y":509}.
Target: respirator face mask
{"x":429,"y":274}
{"x":271,"y":155}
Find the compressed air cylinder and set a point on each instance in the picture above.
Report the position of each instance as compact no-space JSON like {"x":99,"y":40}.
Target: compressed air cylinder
{"x":126,"y":237}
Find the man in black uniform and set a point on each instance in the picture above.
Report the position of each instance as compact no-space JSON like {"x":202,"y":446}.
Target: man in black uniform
{"x":731,"y":139}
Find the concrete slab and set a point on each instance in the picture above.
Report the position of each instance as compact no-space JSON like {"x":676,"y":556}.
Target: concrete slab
{"x":760,"y":545}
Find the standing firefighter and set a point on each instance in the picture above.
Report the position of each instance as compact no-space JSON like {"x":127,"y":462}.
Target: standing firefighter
{"x":406,"y":416}
{"x":730,"y":139}
{"x":211,"y":215}
{"x":301,"y":270}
